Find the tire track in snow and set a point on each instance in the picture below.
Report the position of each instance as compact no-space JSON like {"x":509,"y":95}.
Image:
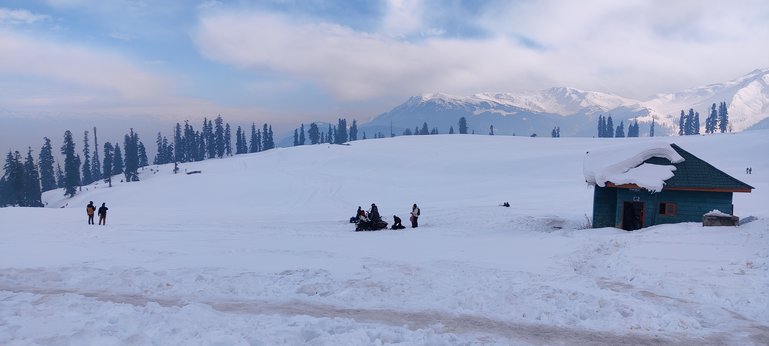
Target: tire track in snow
{"x":440,"y":322}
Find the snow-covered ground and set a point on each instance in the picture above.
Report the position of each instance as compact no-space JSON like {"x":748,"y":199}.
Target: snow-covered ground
{"x":257,"y":249}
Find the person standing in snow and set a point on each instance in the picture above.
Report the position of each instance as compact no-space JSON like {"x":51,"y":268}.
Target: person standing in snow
{"x":414,"y":216}
{"x":373,"y":214}
{"x":103,"y":214}
{"x":90,"y":209}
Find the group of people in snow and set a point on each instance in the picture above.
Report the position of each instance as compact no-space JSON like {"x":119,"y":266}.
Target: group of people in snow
{"x":370,"y":220}
{"x":749,"y":170}
{"x":90,"y":209}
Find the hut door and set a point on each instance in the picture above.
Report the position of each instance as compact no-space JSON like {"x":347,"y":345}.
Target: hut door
{"x":632,"y":215}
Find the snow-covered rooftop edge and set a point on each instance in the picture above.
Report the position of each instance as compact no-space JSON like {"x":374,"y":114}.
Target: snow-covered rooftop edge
{"x":624,"y":164}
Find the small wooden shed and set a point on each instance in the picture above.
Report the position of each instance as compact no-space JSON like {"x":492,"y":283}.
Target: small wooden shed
{"x":695,"y":188}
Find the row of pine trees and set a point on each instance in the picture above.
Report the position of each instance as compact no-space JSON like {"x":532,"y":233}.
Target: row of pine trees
{"x":717,"y":120}
{"x":606,"y":128}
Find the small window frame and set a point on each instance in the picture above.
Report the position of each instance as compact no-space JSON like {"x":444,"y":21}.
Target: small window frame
{"x":668,"y":209}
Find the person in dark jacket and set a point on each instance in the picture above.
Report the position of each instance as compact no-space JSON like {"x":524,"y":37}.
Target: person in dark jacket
{"x":414,"y":216}
{"x":397,"y":223}
{"x":373,"y":215}
{"x":103,"y":214}
{"x":90,"y":209}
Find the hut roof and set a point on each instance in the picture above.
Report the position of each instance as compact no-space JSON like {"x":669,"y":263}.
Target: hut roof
{"x":654,"y":166}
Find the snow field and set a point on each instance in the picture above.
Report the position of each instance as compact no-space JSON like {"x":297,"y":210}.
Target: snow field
{"x":257,"y":250}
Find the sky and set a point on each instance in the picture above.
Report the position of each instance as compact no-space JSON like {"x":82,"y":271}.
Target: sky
{"x":285,"y":62}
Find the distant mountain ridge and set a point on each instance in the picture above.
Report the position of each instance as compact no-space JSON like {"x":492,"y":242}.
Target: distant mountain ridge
{"x":576,"y":111}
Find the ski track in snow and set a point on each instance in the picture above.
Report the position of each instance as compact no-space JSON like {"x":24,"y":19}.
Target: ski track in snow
{"x":440,"y":321}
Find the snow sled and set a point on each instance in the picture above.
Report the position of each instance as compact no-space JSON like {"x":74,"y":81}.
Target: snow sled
{"x":371,"y":226}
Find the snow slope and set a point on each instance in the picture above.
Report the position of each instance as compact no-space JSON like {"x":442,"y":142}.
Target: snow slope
{"x":257,"y":249}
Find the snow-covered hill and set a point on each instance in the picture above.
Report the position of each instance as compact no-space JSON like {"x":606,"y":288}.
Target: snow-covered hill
{"x":575,"y":111}
{"x":257,"y":249}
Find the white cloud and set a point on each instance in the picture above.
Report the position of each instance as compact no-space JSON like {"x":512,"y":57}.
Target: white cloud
{"x":9,"y":16}
{"x":77,"y":66}
{"x":631,"y":48}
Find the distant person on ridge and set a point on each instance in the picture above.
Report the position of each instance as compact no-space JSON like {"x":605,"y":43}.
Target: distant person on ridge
{"x":90,"y":209}
{"x":397,"y":223}
{"x":414,"y":216}
{"x":373,"y":214}
{"x":103,"y":214}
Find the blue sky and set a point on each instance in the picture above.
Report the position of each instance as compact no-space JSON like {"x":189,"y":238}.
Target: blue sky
{"x":292,"y":61}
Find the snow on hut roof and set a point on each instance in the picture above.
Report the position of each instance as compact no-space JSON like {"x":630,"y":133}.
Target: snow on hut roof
{"x":624,"y":164}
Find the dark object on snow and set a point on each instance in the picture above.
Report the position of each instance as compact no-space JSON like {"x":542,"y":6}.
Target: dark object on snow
{"x":397,"y":223}
{"x":506,"y":205}
{"x":748,"y":219}
{"x":193,"y":172}
{"x":103,"y":214}
{"x":353,"y":219}
{"x":711,"y":219}
{"x":371,"y":226}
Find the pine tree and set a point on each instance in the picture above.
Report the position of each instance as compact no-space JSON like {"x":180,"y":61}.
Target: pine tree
{"x":179,"y":144}
{"x":95,"y":164}
{"x":341,"y":132}
{"x":271,"y":138}
{"x":314,"y":133}
{"x":3,"y":192}
{"x":491,"y":130}
{"x":86,"y":161}
{"x":159,"y":156}
{"x":108,"y":166}
{"x":609,"y":131}
{"x":710,"y":123}
{"x":14,"y":179}
{"x":696,"y":123}
{"x":301,"y":134}
{"x":407,"y":132}
{"x":143,"y":160}
{"x":209,"y":138}
{"x":462,"y":126}
{"x":227,"y":140}
{"x":354,"y":131}
{"x":254,"y":140}
{"x":681,"y":122}
{"x":651,"y":128}
{"x":723,"y":117}
{"x":71,"y":165}
{"x":131,"y":156}
{"x":238,"y":141}
{"x":117,"y":160}
{"x":620,"y":133}
{"x":424,"y":130}
{"x":60,"y":179}
{"x":32,"y":196}
{"x":552,"y":133}
{"x":330,"y":135}
{"x":601,"y":126}
{"x":45,"y":161}
{"x":689,"y":123}
{"x":296,"y":137}
{"x":259,"y":140}
{"x":219,"y":132}
{"x":451,"y":130}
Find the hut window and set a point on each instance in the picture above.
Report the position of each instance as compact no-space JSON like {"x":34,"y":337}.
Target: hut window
{"x":668,"y":209}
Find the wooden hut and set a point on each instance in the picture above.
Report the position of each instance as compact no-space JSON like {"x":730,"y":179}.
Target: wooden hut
{"x":694,"y":189}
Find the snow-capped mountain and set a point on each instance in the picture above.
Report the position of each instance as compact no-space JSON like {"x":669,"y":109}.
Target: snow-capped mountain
{"x":747,"y":98}
{"x":575,"y":111}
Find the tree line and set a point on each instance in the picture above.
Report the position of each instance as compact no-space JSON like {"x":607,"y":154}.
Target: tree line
{"x":717,"y":120}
